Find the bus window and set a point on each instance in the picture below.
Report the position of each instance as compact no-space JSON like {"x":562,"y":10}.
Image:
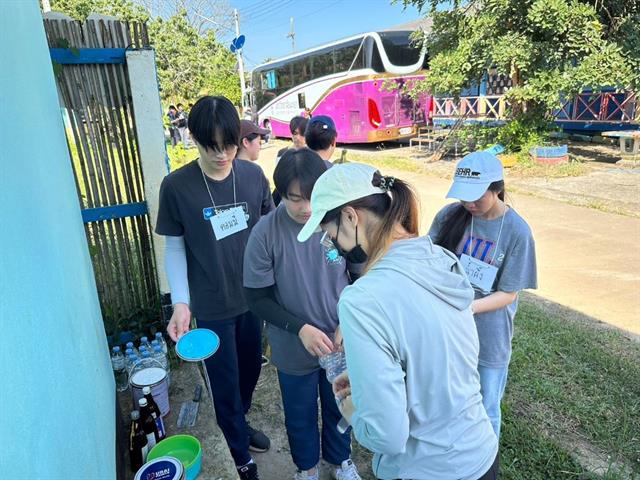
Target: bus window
{"x":321,"y":65}
{"x":399,"y":49}
{"x":345,"y":56}
{"x":301,"y":71}
{"x":269,"y":81}
{"x":284,"y":76}
{"x":375,"y":62}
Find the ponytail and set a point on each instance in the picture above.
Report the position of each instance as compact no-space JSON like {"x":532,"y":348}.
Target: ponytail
{"x":397,"y":207}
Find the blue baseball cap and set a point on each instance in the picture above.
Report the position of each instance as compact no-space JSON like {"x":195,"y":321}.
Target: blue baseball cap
{"x":325,"y":120}
{"x":474,"y":174}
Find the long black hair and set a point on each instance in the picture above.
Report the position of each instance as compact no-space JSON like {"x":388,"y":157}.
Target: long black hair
{"x":455,"y":224}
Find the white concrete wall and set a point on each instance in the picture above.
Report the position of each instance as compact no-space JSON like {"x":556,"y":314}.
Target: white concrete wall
{"x":150,"y":132}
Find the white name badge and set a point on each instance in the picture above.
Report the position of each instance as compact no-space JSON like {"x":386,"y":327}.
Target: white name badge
{"x":480,"y":274}
{"x":228,"y":222}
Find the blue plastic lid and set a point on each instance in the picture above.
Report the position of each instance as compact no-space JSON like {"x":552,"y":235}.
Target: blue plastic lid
{"x":158,"y":334}
{"x":115,"y":349}
{"x":157,"y":348}
{"x":129,"y":344}
{"x":197,"y":344}
{"x":144,"y":339}
{"x":145,"y":354}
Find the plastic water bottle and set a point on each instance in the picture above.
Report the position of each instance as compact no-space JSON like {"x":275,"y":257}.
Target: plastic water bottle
{"x":131,"y":361}
{"x":119,"y":369}
{"x":154,"y":344}
{"x":131,"y":346}
{"x":144,"y":341}
{"x":146,"y":359}
{"x":162,"y":342}
{"x":334,"y":364}
{"x":164,"y":361}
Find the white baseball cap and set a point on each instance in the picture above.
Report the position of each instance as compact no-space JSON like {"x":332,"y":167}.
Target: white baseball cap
{"x":474,"y":174}
{"x":338,"y":186}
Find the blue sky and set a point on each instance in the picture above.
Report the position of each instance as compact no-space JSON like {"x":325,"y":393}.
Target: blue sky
{"x":266,"y":24}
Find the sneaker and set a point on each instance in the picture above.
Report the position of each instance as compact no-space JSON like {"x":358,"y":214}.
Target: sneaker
{"x":249,"y":472}
{"x":258,"y":441}
{"x":301,"y":475}
{"x":347,"y":471}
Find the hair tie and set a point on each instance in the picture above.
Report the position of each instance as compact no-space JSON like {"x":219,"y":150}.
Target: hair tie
{"x":386,"y":183}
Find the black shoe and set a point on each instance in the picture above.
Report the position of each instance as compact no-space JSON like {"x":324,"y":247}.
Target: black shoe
{"x":249,"y":472}
{"x":258,"y":441}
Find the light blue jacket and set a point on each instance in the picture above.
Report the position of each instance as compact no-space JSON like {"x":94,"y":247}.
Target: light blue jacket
{"x":412,"y":354}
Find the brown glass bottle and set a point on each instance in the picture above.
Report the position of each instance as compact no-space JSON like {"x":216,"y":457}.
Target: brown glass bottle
{"x":148,"y":423}
{"x":138,"y":444}
{"x":155,"y":412}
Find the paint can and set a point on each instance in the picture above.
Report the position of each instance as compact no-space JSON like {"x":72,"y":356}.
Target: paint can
{"x":154,"y":377}
{"x":163,"y":468}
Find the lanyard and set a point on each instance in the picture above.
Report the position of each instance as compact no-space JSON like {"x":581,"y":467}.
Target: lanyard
{"x":206,"y":184}
{"x":497,"y":242}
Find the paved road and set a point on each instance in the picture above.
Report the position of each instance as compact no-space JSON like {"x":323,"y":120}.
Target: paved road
{"x":588,"y":260}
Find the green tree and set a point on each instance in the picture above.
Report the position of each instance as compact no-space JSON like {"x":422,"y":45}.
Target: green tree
{"x":549,"y":48}
{"x":190,"y":60}
{"x":81,"y":9}
{"x":191,"y":64}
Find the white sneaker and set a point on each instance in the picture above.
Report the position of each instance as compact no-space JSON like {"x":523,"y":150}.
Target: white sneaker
{"x":347,"y":471}
{"x":305,"y":475}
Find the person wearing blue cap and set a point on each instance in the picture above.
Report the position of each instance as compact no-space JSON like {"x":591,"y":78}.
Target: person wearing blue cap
{"x":411,"y":391}
{"x":321,"y":136}
{"x":497,"y":249}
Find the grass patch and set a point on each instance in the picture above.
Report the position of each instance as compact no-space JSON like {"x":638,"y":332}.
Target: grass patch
{"x":527,"y":167}
{"x":179,"y":156}
{"x":569,"y":383}
{"x":387,"y":161}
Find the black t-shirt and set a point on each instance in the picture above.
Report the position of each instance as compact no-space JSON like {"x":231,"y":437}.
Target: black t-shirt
{"x":214,"y":267}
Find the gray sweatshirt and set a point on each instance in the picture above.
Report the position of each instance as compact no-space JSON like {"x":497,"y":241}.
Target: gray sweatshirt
{"x":412,"y":355}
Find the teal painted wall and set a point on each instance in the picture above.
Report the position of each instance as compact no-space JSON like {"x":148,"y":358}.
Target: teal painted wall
{"x":56,"y":398}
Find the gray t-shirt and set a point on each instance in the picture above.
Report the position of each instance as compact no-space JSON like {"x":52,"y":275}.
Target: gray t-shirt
{"x":307,"y":284}
{"x":515,"y":258}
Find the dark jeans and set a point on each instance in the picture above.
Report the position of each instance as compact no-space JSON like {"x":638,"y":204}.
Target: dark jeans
{"x":492,"y":473}
{"x":233,"y":373}
{"x":300,"y":403}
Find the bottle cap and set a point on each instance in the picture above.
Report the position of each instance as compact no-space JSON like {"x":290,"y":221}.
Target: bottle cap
{"x":128,"y":351}
{"x":154,"y":343}
{"x":146,"y":354}
{"x":158,"y":334}
{"x":146,"y":390}
{"x":142,"y":348}
{"x":129,"y":344}
{"x":157,"y":348}
{"x":142,"y":402}
{"x":144,"y":339}
{"x":135,"y":415}
{"x":115,"y":349}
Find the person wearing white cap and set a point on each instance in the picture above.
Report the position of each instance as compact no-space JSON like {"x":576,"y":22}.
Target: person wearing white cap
{"x":412,"y":390}
{"x":497,"y":249}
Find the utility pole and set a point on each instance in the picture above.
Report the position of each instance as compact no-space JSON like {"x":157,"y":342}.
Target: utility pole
{"x":292,"y":36}
{"x":239,"y":57}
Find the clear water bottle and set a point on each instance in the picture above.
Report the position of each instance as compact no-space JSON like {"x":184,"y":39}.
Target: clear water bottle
{"x":119,"y":369}
{"x":144,"y":342}
{"x":164,"y":361}
{"x":131,"y":361}
{"x":128,"y":352}
{"x":154,"y":344}
{"x":334,"y":364}
{"x":162,"y":342}
{"x":131,"y":346}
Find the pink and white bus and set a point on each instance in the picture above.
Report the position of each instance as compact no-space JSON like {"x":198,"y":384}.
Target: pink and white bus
{"x":344,"y":80}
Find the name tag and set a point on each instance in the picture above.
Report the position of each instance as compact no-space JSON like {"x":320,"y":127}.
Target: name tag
{"x":228,"y":222}
{"x":480,"y":274}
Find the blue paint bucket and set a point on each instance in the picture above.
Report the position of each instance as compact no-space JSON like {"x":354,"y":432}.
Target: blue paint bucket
{"x":163,"y":468}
